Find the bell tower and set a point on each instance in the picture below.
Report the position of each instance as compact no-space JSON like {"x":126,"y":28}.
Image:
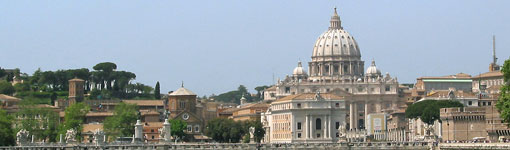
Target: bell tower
{"x":76,"y":90}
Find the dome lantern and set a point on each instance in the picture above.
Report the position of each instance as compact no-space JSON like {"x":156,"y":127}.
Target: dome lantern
{"x":335,"y":22}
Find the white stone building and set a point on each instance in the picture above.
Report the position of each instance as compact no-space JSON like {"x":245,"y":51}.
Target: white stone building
{"x":310,"y":118}
{"x":336,"y":67}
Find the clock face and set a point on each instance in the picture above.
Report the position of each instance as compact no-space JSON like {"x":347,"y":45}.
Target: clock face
{"x":185,"y":116}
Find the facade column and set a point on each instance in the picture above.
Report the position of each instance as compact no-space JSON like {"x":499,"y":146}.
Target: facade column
{"x":378,"y":106}
{"x":351,"y":116}
{"x":330,"y":69}
{"x":366,"y":114}
{"x":342,"y":69}
{"x":311,"y":126}
{"x":306,"y":124}
{"x":293,"y":128}
{"x":356,"y":115}
{"x":329,"y":126}
{"x":350,"y":68}
{"x":325,"y":126}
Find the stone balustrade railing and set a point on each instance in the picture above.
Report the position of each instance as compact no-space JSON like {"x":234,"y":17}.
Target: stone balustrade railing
{"x":229,"y":146}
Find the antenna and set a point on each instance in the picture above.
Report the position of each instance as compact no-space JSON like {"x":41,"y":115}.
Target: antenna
{"x":495,"y":59}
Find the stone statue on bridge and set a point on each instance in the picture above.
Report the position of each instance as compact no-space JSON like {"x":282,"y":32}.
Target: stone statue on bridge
{"x":71,"y":136}
{"x":99,"y":136}
{"x":22,"y":137}
{"x":252,"y":134}
{"x":342,"y":133}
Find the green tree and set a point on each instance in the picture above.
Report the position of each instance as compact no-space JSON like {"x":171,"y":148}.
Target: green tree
{"x":122,"y":123}
{"x":6,"y":132}
{"x":260,"y":91}
{"x":428,"y":110}
{"x":177,"y":128}
{"x":74,"y":118}
{"x":42,"y":122}
{"x":157,"y":92}
{"x":6,"y":88}
{"x":503,"y":103}
{"x":53,"y":98}
{"x":234,"y":96}
{"x":105,"y":73}
{"x":259,"y":130}
{"x":225,"y":130}
{"x":22,"y":87}
{"x":2,"y":72}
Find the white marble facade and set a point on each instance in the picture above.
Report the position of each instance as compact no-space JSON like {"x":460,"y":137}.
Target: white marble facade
{"x":310,"y":118}
{"x":336,"y":67}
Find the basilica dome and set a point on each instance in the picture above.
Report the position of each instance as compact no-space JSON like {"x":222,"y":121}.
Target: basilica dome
{"x":336,"y":56}
{"x":336,"y":41}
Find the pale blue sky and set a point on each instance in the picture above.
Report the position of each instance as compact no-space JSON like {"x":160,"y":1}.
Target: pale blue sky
{"x":214,"y":46}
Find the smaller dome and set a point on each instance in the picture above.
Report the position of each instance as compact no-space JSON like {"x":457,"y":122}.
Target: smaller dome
{"x":299,"y":70}
{"x":372,"y":70}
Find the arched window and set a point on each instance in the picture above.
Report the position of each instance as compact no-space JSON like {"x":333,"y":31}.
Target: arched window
{"x":318,"y":123}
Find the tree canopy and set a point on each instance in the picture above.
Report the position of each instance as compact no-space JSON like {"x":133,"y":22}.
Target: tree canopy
{"x":6,"y":88}
{"x":157,"y":92}
{"x":227,"y":130}
{"x":6,"y":131}
{"x":260,"y":91}
{"x":122,"y":123}
{"x":104,"y":82}
{"x":74,"y":117}
{"x":503,"y":103}
{"x":234,"y":96}
{"x":42,"y":122}
{"x":177,"y":128}
{"x":428,"y":110}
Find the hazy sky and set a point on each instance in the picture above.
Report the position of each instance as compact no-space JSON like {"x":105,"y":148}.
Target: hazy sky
{"x":214,"y":46}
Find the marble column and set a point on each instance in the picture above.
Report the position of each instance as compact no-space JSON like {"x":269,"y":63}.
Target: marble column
{"x":293,"y":127}
{"x":378,"y":107}
{"x":329,"y":126}
{"x":325,"y":126}
{"x":306,"y":126}
{"x":311,"y":126}
{"x":366,"y":113}
{"x":351,"y":116}
{"x":356,"y":115}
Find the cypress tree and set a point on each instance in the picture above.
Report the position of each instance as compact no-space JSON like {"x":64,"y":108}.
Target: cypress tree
{"x":157,"y":93}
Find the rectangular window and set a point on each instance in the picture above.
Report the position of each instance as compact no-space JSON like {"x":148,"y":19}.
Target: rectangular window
{"x":298,"y":105}
{"x":299,"y":126}
{"x":189,"y":128}
{"x":489,"y":103}
{"x":387,"y":88}
{"x":470,"y":103}
{"x":337,"y":125}
{"x":318,"y":135}
{"x":337,"y":104}
{"x":182,"y":105}
{"x":347,"y":89}
{"x":299,"y":135}
{"x":197,"y":128}
{"x":287,"y":89}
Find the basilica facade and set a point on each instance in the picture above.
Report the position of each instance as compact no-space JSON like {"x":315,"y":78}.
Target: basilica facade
{"x":336,"y":68}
